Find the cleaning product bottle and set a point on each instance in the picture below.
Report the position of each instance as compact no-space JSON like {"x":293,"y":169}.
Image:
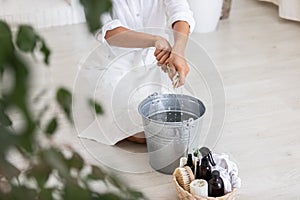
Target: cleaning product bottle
{"x":182,"y":161}
{"x":205,"y":168}
{"x":215,"y":185}
{"x":190,"y":162}
{"x":197,"y":169}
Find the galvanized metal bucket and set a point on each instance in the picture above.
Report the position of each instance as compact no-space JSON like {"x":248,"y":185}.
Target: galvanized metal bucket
{"x":171,"y":122}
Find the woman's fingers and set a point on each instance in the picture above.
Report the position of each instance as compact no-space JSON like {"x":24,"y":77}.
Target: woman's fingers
{"x":161,"y":53}
{"x":157,"y":51}
{"x":162,"y":59}
{"x":162,"y":50}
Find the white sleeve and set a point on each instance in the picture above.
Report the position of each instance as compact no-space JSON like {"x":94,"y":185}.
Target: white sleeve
{"x":108,"y":24}
{"x":179,"y":10}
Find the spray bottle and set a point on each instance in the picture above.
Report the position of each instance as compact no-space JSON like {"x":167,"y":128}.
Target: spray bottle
{"x":205,"y":168}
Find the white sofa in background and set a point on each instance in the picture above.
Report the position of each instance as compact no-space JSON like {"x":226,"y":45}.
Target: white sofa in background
{"x":288,"y":9}
{"x":41,"y":13}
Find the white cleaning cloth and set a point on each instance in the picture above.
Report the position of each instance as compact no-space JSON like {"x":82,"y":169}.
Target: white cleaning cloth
{"x":228,"y":172}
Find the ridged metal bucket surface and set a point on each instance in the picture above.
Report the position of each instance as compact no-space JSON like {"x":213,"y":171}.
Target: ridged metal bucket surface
{"x":170,"y":122}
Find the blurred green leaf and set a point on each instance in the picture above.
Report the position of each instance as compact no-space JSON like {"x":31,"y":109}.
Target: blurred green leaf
{"x":40,"y":172}
{"x":96,"y":106}
{"x":19,"y":91}
{"x":46,"y":51}
{"x":75,"y":192}
{"x":26,"y":143}
{"x":1,"y":69}
{"x":8,"y":170}
{"x":97,"y":173}
{"x":116,"y":182}
{"x":6,"y":44}
{"x":5,"y":196}
{"x":76,"y":161}
{"x":64,"y":99}
{"x":7,"y":139}
{"x":2,"y":104}
{"x":22,"y":192}
{"x":45,"y":194}
{"x":55,"y":159}
{"x":110,"y":196}
{"x":93,"y":10}
{"x":4,"y":119}
{"x":26,"y":38}
{"x":52,"y":126}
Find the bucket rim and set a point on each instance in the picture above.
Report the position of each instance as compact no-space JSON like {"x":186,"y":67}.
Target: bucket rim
{"x":156,"y":95}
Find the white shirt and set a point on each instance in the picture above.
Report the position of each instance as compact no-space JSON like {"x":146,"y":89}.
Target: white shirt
{"x":138,"y":14}
{"x":131,"y":74}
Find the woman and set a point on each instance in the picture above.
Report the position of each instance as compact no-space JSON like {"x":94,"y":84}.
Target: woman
{"x":126,"y":28}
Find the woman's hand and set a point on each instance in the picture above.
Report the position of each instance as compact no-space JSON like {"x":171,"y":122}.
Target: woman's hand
{"x":177,"y":62}
{"x":162,"y":51}
{"x":173,"y":58}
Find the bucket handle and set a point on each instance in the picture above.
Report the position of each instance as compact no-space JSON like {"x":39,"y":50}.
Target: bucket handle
{"x":151,"y":96}
{"x":188,"y":124}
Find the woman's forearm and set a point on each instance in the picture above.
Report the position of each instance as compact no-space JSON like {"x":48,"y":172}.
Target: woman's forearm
{"x":177,"y":61}
{"x":123,"y":37}
{"x":181,"y":35}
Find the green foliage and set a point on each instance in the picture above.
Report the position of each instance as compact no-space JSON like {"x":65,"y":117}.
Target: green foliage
{"x":28,"y":40}
{"x":64,"y":99}
{"x":6,"y":45}
{"x":40,"y":172}
{"x":97,"y":173}
{"x":75,"y":162}
{"x":44,"y":163}
{"x":9,"y":170}
{"x":52,"y":126}
{"x":93,"y":10}
{"x":4,"y":119}
{"x":96,"y":106}
{"x":197,"y":152}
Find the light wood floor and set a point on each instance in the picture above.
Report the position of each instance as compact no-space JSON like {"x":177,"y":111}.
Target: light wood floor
{"x":258,"y":56}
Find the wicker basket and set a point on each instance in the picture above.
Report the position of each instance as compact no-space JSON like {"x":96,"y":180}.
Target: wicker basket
{"x":184,"y":195}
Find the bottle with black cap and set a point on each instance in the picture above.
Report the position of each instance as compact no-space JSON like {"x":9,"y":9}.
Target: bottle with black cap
{"x":215,"y":185}
{"x":190,"y":162}
{"x":197,"y":169}
{"x":205,"y":168}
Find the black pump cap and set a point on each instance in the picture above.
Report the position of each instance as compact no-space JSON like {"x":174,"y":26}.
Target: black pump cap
{"x":206,"y":154}
{"x":215,"y":174}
